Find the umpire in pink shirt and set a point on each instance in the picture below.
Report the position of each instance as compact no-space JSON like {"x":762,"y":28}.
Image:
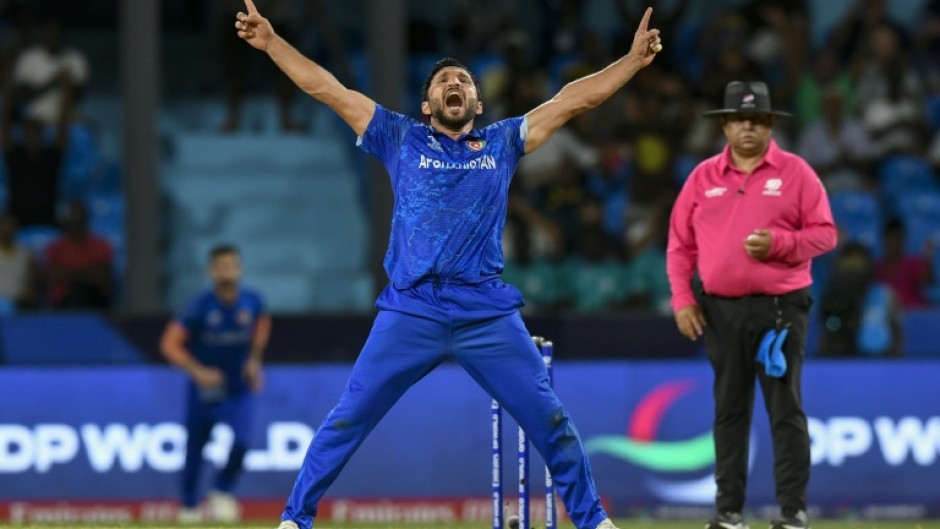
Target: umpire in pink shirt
{"x":749,"y":220}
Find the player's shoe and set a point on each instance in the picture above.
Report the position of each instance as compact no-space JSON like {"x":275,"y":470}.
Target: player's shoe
{"x":790,"y":520}
{"x":606,"y":524}
{"x":727,"y":520}
{"x":189,"y":516}
{"x":222,"y":507}
{"x":288,"y":524}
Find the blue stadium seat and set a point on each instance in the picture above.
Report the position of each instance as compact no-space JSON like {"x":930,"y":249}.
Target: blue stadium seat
{"x":933,"y":291}
{"x":37,"y":238}
{"x":106,"y":211}
{"x":682,"y":166}
{"x":82,"y":157}
{"x":859,"y":217}
{"x":3,"y":171}
{"x":359,"y":63}
{"x":482,"y":64}
{"x":284,"y":292}
{"x":597,"y":286}
{"x":926,"y":202}
{"x":687,"y":38}
{"x":540,"y":281}
{"x":343,"y":292}
{"x":557,"y":68}
{"x":920,"y":230}
{"x":105,"y":177}
{"x":107,"y":221}
{"x":920,"y":212}
{"x":419,"y":66}
{"x":933,"y":112}
{"x":901,"y":174}
{"x":7,"y":306}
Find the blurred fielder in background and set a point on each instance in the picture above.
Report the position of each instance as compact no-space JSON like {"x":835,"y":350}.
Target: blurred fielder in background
{"x":445,"y":300}
{"x":218,"y":340}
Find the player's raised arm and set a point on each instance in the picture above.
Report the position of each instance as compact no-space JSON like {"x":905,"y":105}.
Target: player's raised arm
{"x":592,"y":90}
{"x":355,"y":108}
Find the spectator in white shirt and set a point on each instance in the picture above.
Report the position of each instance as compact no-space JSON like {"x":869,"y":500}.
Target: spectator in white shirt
{"x":837,"y":146}
{"x":38,"y":73}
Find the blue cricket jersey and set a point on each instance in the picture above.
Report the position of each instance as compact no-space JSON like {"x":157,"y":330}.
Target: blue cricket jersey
{"x":220,"y":334}
{"x":450,"y":197}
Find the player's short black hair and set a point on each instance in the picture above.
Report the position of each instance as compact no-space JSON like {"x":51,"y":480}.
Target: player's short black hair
{"x":440,"y":65}
{"x":222,"y":249}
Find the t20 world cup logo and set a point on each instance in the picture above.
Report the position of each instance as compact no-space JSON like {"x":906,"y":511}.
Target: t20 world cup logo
{"x":693,"y":456}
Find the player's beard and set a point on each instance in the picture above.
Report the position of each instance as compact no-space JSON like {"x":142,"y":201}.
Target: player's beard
{"x":453,"y":123}
{"x":226,"y":284}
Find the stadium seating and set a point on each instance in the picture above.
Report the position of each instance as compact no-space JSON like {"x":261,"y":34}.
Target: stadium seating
{"x":3,"y":184}
{"x":859,"y":217}
{"x":541,"y":282}
{"x":558,"y":68}
{"x":682,"y":166}
{"x":933,"y":291}
{"x":290,"y":202}
{"x":82,"y":158}
{"x":597,"y":286}
{"x":37,"y":238}
{"x":903,"y":174}
{"x":920,"y":212}
{"x":933,"y":112}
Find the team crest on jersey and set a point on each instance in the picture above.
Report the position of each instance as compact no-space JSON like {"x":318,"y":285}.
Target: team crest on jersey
{"x":476,"y":145}
{"x":244,"y":317}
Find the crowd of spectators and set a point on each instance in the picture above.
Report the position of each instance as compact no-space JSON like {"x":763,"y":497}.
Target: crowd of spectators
{"x":45,"y":257}
{"x":586,"y":230}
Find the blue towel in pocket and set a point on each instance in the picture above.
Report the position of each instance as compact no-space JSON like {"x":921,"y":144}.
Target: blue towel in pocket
{"x":770,"y":352}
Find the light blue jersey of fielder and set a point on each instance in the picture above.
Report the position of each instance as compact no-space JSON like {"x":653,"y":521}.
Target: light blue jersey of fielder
{"x":450,"y":197}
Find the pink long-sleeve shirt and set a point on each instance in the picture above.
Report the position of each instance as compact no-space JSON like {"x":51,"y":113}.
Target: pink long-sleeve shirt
{"x":720,"y":205}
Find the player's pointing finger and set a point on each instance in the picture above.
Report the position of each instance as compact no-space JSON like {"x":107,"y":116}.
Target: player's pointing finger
{"x":252,"y":10}
{"x":644,"y":23}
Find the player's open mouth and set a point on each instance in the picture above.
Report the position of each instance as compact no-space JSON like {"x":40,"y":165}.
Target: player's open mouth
{"x":453,"y":100}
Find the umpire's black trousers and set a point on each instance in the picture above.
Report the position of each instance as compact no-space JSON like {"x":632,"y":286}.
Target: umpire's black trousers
{"x":733,"y":332}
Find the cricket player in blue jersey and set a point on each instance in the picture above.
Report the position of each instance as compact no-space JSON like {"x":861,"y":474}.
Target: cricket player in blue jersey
{"x":445,"y":300}
{"x":218,"y":340}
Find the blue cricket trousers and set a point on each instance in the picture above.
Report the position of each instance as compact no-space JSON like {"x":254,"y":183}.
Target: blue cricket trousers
{"x":479,"y":327}
{"x":235,"y":411}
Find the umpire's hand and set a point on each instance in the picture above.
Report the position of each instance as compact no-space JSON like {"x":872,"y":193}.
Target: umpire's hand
{"x":691,"y":322}
{"x":757,"y":244}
